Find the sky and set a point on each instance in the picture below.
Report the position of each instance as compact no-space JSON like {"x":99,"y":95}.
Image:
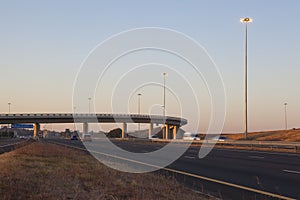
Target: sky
{"x":44,"y":45}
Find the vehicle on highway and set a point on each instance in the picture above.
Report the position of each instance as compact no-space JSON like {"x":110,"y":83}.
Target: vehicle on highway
{"x":153,"y":137}
{"x":190,"y":136}
{"x":74,"y":137}
{"x":220,"y":138}
{"x":86,"y":138}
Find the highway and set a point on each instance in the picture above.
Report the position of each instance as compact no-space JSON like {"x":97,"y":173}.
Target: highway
{"x":230,"y":173}
{"x":8,"y":144}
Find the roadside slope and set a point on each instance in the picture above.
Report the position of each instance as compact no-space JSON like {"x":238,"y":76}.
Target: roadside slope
{"x":47,"y":171}
{"x":276,"y":135}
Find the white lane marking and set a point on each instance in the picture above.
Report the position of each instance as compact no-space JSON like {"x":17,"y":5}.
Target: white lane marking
{"x":291,"y":171}
{"x":189,"y":157}
{"x":260,"y":152}
{"x":257,"y":157}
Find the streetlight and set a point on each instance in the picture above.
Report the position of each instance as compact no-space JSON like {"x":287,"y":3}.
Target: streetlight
{"x":246,"y":21}
{"x":89,"y":104}
{"x":285,"y":116}
{"x":9,"y":107}
{"x":139,"y":107}
{"x":164,"y":105}
{"x":8,"y":113}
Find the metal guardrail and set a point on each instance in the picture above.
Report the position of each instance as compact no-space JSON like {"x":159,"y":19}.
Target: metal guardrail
{"x":273,"y":145}
{"x":13,"y":146}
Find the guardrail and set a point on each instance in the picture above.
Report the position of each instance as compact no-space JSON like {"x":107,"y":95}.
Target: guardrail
{"x":13,"y":146}
{"x":273,"y":145}
{"x":270,"y":145}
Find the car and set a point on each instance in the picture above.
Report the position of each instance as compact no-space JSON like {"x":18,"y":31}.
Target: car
{"x":220,"y":138}
{"x":153,"y":137}
{"x":74,"y":137}
{"x":86,"y":138}
{"x":190,"y":136}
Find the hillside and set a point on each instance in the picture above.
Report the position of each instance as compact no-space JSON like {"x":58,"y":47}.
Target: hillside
{"x":292,"y":135}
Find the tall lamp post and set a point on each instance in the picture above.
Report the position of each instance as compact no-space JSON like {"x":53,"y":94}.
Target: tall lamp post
{"x":9,"y":107}
{"x":285,"y":116}
{"x":165,"y":132}
{"x":9,"y":104}
{"x":246,"y":21}
{"x":139,"y":107}
{"x":164,"y":105}
{"x":89,"y":104}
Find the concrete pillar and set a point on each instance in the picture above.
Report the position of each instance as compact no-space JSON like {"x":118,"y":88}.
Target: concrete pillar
{"x":150,"y":130}
{"x":167,"y":128}
{"x":85,"y":129}
{"x":36,"y":129}
{"x":175,"y":129}
{"x":124,"y":130}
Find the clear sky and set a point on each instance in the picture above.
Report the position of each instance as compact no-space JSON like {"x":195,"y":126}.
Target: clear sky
{"x":43,"y":44}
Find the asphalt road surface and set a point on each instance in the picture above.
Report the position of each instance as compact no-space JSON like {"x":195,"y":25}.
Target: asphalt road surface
{"x":9,"y":144}
{"x":229,"y":173}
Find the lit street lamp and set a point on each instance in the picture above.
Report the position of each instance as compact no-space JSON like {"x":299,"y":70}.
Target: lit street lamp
{"x":139,"y":107}
{"x":246,"y":21}
{"x":285,"y":116}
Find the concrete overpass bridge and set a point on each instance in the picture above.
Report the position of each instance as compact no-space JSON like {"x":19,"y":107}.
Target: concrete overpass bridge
{"x":170,"y":123}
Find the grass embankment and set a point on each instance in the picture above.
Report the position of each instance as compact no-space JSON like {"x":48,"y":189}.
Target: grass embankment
{"x":278,"y":135}
{"x":48,"y":171}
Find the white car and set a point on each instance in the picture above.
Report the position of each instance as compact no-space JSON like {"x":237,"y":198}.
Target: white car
{"x":190,"y":136}
{"x":153,"y":137}
{"x":220,"y":138}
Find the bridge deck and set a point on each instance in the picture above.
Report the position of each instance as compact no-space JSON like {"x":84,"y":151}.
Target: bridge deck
{"x":90,"y":118}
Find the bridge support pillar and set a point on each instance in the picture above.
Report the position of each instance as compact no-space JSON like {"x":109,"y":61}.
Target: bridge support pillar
{"x":85,"y":129}
{"x":36,"y":129}
{"x":150,"y":130}
{"x":167,"y":131}
{"x":124,"y":130}
{"x":175,"y":129}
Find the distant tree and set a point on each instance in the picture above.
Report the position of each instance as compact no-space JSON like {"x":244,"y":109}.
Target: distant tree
{"x":115,"y":133}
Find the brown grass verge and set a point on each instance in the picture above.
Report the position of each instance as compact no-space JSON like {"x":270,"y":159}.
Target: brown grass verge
{"x":48,"y":171}
{"x":292,"y":135}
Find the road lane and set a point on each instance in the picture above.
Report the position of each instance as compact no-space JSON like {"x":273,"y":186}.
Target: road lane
{"x":258,"y":170}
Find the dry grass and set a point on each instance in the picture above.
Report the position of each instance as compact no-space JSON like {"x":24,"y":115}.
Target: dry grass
{"x":278,"y":135}
{"x":47,"y":171}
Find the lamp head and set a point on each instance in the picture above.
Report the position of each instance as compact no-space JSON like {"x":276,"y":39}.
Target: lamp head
{"x":246,"y":20}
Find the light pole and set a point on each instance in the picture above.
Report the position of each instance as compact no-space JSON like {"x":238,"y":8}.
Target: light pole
{"x":89,"y":104}
{"x":246,"y":21}
{"x":9,"y":103}
{"x":285,"y":116}
{"x":164,"y":105}
{"x":9,"y":107}
{"x":139,"y":107}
